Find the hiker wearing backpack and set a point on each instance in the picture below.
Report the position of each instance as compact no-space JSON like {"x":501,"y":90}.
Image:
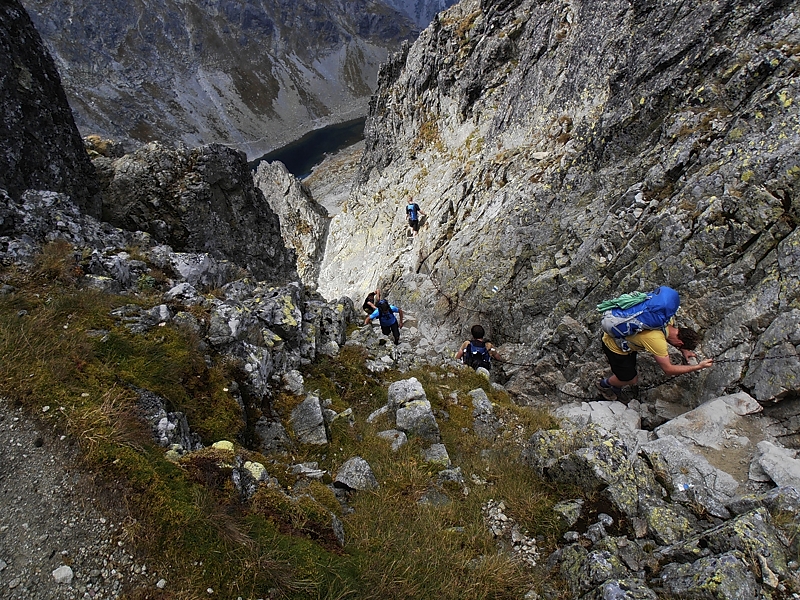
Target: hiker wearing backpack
{"x":638,"y":322}
{"x":477,"y":352}
{"x":385,"y":314}
{"x":413,"y":212}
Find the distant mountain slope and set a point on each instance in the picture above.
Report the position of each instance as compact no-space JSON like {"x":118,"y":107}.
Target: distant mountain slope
{"x":254,"y":74}
{"x":421,"y":12}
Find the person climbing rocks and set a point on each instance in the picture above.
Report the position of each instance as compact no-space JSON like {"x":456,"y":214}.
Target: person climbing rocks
{"x":371,"y":301}
{"x":385,"y":312}
{"x":653,"y":341}
{"x":413,"y":212}
{"x":477,"y":352}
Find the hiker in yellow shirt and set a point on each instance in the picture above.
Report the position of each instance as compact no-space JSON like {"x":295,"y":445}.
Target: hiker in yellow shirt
{"x":653,"y":341}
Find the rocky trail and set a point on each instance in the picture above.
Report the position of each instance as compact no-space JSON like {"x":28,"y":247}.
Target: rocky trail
{"x":62,"y":532}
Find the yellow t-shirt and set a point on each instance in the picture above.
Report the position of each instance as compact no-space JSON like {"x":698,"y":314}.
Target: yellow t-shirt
{"x":650,"y":340}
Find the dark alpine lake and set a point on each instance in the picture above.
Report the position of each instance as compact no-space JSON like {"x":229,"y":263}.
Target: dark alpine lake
{"x":302,"y":155}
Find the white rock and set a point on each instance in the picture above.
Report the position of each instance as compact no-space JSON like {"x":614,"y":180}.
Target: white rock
{"x":63,"y":574}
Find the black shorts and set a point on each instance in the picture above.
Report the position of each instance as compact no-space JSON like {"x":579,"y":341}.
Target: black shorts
{"x":622,"y":365}
{"x":414,"y":223}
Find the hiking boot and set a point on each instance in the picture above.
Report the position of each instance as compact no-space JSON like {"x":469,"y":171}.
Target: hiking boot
{"x":607,"y":391}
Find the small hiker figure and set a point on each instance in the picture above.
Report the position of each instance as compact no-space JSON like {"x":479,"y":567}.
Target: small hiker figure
{"x":413,"y":212}
{"x":477,"y":352}
{"x":385,"y":314}
{"x":371,"y":302}
{"x":640,"y":322}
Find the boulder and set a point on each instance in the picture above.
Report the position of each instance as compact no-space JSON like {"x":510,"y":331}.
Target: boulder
{"x":356,"y":474}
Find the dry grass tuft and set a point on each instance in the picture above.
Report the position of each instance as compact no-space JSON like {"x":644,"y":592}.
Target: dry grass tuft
{"x":111,"y":421}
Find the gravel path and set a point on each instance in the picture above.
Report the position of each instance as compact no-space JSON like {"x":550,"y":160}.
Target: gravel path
{"x":58,"y":539}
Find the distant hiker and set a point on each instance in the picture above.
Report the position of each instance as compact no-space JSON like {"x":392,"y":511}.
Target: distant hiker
{"x":477,"y":352}
{"x":654,"y":341}
{"x":371,"y":302}
{"x":413,"y":212}
{"x":385,"y":314}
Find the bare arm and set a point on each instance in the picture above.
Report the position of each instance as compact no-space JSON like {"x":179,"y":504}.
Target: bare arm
{"x":670,"y":369}
{"x":400,"y":312}
{"x":460,"y":352}
{"x":493,"y":351}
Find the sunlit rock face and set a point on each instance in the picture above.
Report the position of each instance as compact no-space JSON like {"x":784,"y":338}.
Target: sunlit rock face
{"x":250,"y":73}
{"x":565,"y":154}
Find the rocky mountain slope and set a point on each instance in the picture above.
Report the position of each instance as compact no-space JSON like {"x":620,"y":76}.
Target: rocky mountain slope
{"x":252,"y":74}
{"x":41,"y":145}
{"x":649,"y":512}
{"x":567,"y":153}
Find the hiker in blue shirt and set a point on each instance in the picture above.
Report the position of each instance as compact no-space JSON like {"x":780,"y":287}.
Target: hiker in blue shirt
{"x":413,"y":212}
{"x":389,"y":324}
{"x":476,"y":352}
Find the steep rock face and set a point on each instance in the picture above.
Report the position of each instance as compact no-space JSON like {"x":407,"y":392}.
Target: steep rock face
{"x":197,"y":200}
{"x":254,"y":74}
{"x":41,"y":145}
{"x":304,"y":222}
{"x":566,"y":153}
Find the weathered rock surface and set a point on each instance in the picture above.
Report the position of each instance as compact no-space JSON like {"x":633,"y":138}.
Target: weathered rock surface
{"x":680,"y":528}
{"x":567,"y":154}
{"x":197,"y":200}
{"x":304,"y":222}
{"x":270,"y":329}
{"x":42,"y":149}
{"x":356,"y":474}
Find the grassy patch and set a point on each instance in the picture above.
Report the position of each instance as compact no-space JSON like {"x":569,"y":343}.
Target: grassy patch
{"x":63,"y":350}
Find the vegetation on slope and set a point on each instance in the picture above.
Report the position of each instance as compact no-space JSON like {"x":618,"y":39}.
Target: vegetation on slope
{"x":65,"y":358}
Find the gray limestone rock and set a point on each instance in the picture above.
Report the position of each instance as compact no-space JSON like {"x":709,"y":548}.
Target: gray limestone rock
{"x":725,"y":576}
{"x":416,"y":418}
{"x":168,"y":428}
{"x":356,"y":474}
{"x":779,"y":464}
{"x":437,"y":454}
{"x":689,"y":477}
{"x":673,"y":162}
{"x":395,"y":437}
{"x":293,"y":382}
{"x":308,"y":423}
{"x":705,"y":425}
{"x":271,"y":435}
{"x":622,"y":589}
{"x":405,"y":391}
{"x":485,"y":422}
{"x":198,"y":200}
{"x":569,"y":511}
{"x":304,"y":223}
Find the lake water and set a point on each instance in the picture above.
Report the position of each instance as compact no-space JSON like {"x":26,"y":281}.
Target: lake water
{"x":302,"y":155}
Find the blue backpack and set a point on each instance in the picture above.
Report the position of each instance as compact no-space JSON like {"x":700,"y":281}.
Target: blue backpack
{"x":477,"y":355}
{"x":385,"y":315}
{"x":654,"y":312}
{"x":411,"y":211}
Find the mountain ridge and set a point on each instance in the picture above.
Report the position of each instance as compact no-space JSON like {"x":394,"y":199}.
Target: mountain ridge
{"x":247,"y":73}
